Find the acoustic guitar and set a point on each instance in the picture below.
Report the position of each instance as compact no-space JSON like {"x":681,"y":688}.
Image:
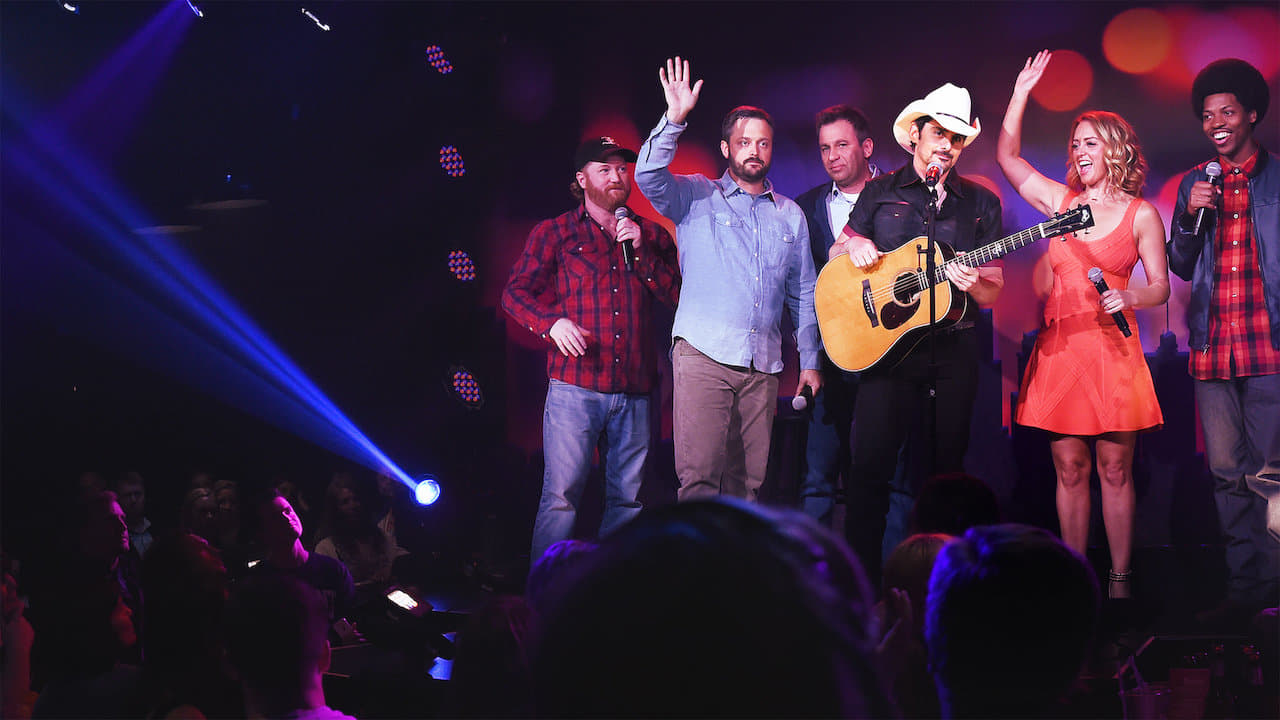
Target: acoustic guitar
{"x":873,"y":317}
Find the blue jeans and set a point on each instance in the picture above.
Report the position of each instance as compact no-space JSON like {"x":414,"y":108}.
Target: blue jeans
{"x":575,"y":422}
{"x":1241,"y":422}
{"x":826,"y":454}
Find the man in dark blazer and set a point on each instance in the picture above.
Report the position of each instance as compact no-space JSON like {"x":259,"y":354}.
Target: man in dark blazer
{"x":844,"y":142}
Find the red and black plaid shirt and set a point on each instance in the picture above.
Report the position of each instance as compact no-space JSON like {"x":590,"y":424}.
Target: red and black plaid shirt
{"x":1239,"y":331}
{"x":571,"y":268}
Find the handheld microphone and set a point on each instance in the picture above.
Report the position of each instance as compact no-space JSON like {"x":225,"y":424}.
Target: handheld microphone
{"x":800,"y":403}
{"x":933,"y":174}
{"x":1095,"y":277}
{"x":628,"y":252}
{"x":1214,"y":171}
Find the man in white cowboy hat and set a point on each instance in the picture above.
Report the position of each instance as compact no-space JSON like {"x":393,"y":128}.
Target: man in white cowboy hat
{"x":890,"y":212}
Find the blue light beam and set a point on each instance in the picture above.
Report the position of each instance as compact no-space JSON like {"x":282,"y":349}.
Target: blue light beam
{"x":217,"y":348}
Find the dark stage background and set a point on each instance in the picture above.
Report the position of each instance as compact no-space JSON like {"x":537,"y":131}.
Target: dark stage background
{"x":122,"y":116}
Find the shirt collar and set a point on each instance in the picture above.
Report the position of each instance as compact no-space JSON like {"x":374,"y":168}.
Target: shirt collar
{"x":907,"y":177}
{"x":1249,"y":167}
{"x":730,"y":188}
{"x":837,"y":192}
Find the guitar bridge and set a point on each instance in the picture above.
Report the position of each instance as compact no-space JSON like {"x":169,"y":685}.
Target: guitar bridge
{"x":869,"y":304}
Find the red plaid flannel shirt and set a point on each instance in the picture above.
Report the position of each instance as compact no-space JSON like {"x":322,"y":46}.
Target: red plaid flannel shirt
{"x":571,"y":268}
{"x":1239,"y":331}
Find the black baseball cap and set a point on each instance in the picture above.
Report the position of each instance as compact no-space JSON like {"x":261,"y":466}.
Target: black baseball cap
{"x":599,"y":150}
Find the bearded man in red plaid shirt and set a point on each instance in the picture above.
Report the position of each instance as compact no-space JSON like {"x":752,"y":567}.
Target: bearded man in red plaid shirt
{"x":1225,"y":239}
{"x":576,"y":288}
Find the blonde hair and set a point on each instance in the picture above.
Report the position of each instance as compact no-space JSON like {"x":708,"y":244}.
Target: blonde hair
{"x":1125,"y":167}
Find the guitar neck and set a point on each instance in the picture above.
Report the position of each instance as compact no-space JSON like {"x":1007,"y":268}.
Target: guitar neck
{"x":997,"y":249}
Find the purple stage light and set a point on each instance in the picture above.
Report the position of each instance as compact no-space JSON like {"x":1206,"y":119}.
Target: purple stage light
{"x":465,"y":387}
{"x":451,"y":161}
{"x":191,"y":4}
{"x":461,"y":266}
{"x":436,"y":57}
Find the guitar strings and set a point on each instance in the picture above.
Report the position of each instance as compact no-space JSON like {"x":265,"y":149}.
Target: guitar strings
{"x":1007,"y":245}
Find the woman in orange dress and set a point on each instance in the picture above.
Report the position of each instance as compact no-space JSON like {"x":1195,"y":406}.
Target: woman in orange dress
{"x":1087,"y":383}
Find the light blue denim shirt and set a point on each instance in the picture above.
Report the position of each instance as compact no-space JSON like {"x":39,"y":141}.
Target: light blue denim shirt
{"x":743,"y":259}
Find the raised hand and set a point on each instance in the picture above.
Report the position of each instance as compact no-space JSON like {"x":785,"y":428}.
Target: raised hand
{"x":1031,"y":73}
{"x":681,"y":96}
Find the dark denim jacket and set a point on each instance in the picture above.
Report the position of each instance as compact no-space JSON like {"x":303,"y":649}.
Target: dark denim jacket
{"x":1191,"y":257}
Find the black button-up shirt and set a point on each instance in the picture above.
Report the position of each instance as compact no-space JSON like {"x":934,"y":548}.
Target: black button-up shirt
{"x":891,"y":211}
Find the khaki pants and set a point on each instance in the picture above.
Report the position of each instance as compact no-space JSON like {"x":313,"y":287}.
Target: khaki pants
{"x":723,"y":425}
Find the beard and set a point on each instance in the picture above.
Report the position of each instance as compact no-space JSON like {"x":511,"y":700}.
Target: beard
{"x":609,"y":197}
{"x":750,"y":175}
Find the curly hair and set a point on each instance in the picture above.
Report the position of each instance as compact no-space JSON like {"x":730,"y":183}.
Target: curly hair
{"x":1125,"y":166}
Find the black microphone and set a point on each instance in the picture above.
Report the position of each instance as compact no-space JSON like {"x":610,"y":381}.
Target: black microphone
{"x":628,"y":252}
{"x":800,"y":403}
{"x":1214,"y":171}
{"x":1095,"y":277}
{"x":933,"y":174}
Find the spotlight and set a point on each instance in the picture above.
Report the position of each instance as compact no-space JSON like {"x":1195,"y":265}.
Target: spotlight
{"x":73,"y":9}
{"x":194,"y":9}
{"x":461,"y":266}
{"x":465,"y":388}
{"x":315,"y":20}
{"x":451,"y":161}
{"x":435,"y":56}
{"x":427,"y":491}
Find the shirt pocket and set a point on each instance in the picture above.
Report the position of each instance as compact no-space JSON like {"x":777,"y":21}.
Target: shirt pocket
{"x":726,"y":220}
{"x":895,"y":224}
{"x":778,"y":246}
{"x":581,"y":261}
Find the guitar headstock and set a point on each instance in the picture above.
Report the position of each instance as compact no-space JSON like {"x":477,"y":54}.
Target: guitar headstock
{"x":1068,"y":222}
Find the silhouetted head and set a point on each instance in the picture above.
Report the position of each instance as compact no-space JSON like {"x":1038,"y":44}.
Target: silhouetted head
{"x":710,"y":608}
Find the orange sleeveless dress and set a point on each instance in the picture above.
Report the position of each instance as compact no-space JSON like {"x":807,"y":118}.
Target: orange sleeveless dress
{"x":1085,"y":377}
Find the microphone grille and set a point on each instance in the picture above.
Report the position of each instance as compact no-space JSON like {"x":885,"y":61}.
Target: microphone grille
{"x":1213,"y":169}
{"x":1095,"y":275}
{"x":621,"y":212}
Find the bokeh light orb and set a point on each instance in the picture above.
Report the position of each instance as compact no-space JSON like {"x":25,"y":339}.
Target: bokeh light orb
{"x":1066,"y":82}
{"x":1262,"y":24}
{"x":1137,"y":41}
{"x":1217,"y":36}
{"x":987,"y":183}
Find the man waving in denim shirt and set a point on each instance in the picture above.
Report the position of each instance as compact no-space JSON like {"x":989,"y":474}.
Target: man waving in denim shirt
{"x":744,"y":256}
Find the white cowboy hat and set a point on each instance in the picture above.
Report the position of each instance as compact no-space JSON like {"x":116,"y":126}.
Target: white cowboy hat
{"x":949,"y":105}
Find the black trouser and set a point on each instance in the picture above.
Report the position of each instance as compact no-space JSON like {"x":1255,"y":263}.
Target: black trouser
{"x":889,"y":401}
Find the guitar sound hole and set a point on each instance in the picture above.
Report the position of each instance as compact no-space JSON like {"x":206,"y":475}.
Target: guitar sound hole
{"x":905,"y":287}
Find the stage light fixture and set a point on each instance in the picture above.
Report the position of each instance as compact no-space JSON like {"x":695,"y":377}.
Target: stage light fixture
{"x":461,"y":266}
{"x":315,"y":20}
{"x":465,"y":387}
{"x":435,"y":56}
{"x":427,"y":490}
{"x":191,"y":4}
{"x":73,"y":9}
{"x":451,"y":161}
